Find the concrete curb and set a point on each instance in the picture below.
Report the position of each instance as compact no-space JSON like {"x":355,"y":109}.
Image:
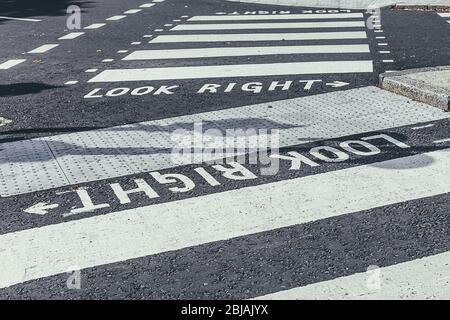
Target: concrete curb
{"x":403,"y":83}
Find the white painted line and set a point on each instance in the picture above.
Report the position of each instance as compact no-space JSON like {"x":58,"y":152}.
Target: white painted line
{"x":91,"y":70}
{"x":95,"y":26}
{"x":43,"y":48}
{"x":260,"y":37}
{"x":378,"y":31}
{"x":122,"y":51}
{"x":168,"y":25}
{"x":136,"y":43}
{"x":159,"y":30}
{"x":388,"y":61}
{"x":380,"y":37}
{"x":132,"y":11}
{"x":239,"y":70}
{"x":382,"y":44}
{"x":4,"y":121}
{"x":185,"y":16}
{"x":128,"y":234}
{"x":71,"y":82}
{"x":20,"y":19}
{"x":277,"y":17}
{"x":448,"y":21}
{"x":422,"y":279}
{"x":11,"y":63}
{"x":243,"y":51}
{"x":107,"y":60}
{"x":423,"y":127}
{"x":442,"y":140}
{"x":115,"y":18}
{"x":146,"y":5}
{"x":158,"y":0}
{"x":445,"y":14}
{"x":282,"y":25}
{"x":71,"y":36}
{"x":176,"y":20}
{"x":385,"y":51}
{"x":148,"y":36}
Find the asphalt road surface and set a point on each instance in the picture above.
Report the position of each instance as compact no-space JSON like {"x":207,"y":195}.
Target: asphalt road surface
{"x":351,"y":201}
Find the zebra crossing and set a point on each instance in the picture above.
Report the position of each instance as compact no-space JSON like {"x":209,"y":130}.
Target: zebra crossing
{"x":357,"y":207}
{"x":378,"y":174}
{"x":445,"y":15}
{"x":339,"y":37}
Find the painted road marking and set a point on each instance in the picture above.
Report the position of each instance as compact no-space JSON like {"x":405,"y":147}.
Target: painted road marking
{"x":238,"y":70}
{"x":91,"y":70}
{"x":442,"y":140}
{"x":278,"y":17}
{"x":146,"y":5}
{"x":76,"y":158}
{"x":44,"y":48}
{"x":20,"y":19}
{"x":71,"y":36}
{"x":244,"y":51}
{"x":425,"y":278}
{"x":284,"y":25}
{"x":260,"y":37}
{"x":115,"y":18}
{"x":122,"y":51}
{"x":107,"y":60}
{"x":4,"y":121}
{"x":95,"y":26}
{"x":132,"y":11}
{"x":134,"y":233}
{"x":309,"y":157}
{"x":385,"y":51}
{"x":11,"y":63}
{"x":423,"y":127}
{"x":388,"y":61}
{"x":445,"y":14}
{"x":71,"y":82}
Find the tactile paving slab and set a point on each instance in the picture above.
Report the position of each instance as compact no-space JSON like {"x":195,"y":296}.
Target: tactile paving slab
{"x":50,"y":162}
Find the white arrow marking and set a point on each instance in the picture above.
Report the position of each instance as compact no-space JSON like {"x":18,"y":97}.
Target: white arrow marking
{"x":337,"y":84}
{"x":41,"y":208}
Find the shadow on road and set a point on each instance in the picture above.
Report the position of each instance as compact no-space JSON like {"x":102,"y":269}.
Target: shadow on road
{"x":18,"y":89}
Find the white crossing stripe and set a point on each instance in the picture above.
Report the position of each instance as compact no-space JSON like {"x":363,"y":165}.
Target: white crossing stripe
{"x":11,"y":63}
{"x":260,"y":37}
{"x":444,"y":14}
{"x":244,"y":51}
{"x":52,"y":249}
{"x":43,"y":48}
{"x":71,"y":36}
{"x":283,"y":25}
{"x":277,"y":17}
{"x":237,"y":70}
{"x":114,"y":18}
{"x":423,"y":279}
{"x":95,"y":26}
{"x":131,"y":11}
{"x":146,"y":5}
